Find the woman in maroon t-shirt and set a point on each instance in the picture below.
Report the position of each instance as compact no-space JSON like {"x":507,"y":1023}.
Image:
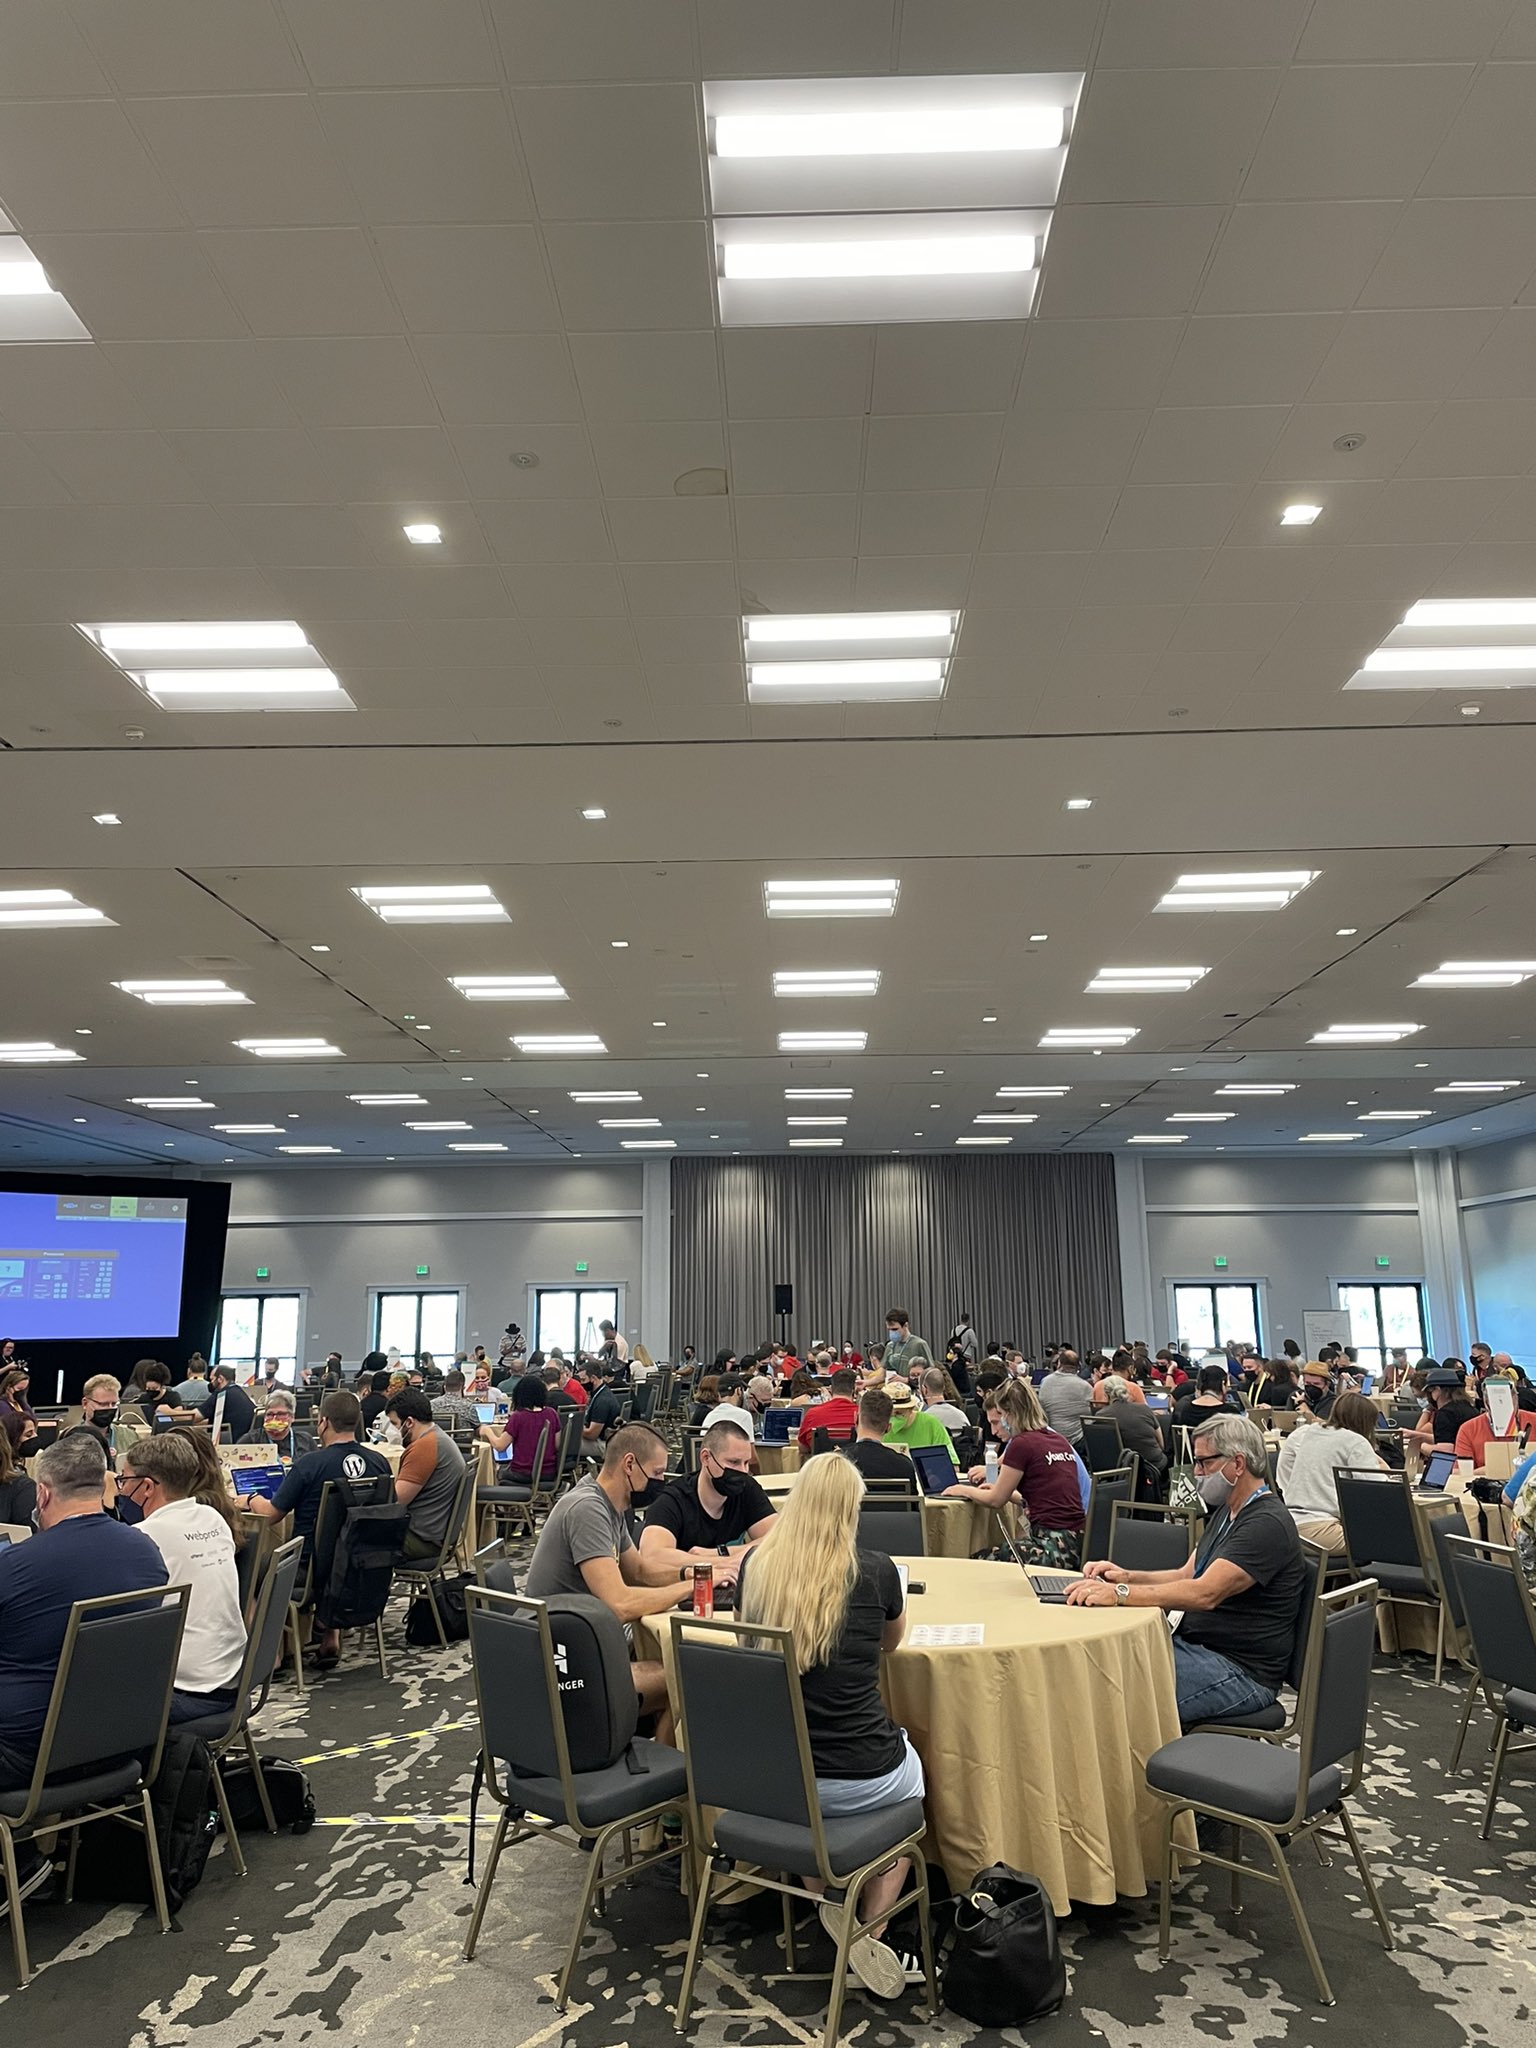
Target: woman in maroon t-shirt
{"x":1040,"y":1469}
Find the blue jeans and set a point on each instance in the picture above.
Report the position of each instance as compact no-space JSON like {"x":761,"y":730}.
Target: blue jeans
{"x":1210,"y":1687}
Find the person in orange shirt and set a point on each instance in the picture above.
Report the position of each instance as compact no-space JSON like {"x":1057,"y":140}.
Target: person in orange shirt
{"x":1102,"y":1369}
{"x":1474,"y":1437}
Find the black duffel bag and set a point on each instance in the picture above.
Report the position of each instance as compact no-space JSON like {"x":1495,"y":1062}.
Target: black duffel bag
{"x":1004,"y":1965}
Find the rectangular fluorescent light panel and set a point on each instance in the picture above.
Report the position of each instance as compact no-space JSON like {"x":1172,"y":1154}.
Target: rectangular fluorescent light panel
{"x":1257,"y":1088}
{"x":222,"y":664}
{"x":814,"y":1144}
{"x":387,"y":1101}
{"x":1448,"y":643}
{"x":1160,"y":1138}
{"x":1201,"y":1116}
{"x":477,"y":1148}
{"x":1078,"y":1040}
{"x":509,"y":988}
{"x":930,"y":632}
{"x":984,"y":1141}
{"x":309,"y":1148}
{"x":649,"y":1144}
{"x":1112,"y":981}
{"x":809,"y":1122}
{"x":247,"y":1130}
{"x":831,"y":899}
{"x":432,"y":902}
{"x":942,"y":131}
{"x":1477,"y":974}
{"x":1393,"y":1116}
{"x":1023,"y":1094}
{"x":1262,"y":891}
{"x":30,"y":308}
{"x":440,"y":1124}
{"x":823,"y":1041}
{"x":943,"y":252}
{"x":170,"y":1102}
{"x":36,"y":1052}
{"x":45,"y":908}
{"x":891,"y":681}
{"x":1364,"y":1034}
{"x":290,"y":1048}
{"x":629,"y":1123}
{"x":1329,"y":1137}
{"x":604,"y":1095}
{"x":846,"y":981}
{"x":1477,"y":1087}
{"x":182,"y":992}
{"x":575,"y":1042}
{"x":818,"y":1095}
{"x":1006,"y":1116}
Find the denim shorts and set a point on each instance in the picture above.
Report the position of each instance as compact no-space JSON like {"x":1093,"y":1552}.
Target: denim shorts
{"x":863,"y":1795}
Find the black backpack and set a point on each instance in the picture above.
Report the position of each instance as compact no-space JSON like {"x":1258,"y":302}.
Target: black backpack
{"x":447,"y":1595}
{"x":369,"y":1546}
{"x":111,"y":1864}
{"x":288,"y":1789}
{"x":1004,"y":1967}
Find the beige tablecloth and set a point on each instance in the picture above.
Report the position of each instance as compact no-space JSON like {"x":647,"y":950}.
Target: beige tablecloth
{"x":773,"y":1459}
{"x":951,"y":1528}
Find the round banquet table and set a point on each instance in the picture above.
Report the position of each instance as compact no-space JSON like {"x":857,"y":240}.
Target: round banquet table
{"x":951,"y":1528}
{"x":1034,"y":1742}
{"x":774,"y":1459}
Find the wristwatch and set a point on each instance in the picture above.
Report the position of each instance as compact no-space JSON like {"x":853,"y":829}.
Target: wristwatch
{"x":1122,"y":1592}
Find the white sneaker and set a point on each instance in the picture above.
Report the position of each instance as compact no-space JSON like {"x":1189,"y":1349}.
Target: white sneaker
{"x":878,"y":1968}
{"x":832,"y":1912}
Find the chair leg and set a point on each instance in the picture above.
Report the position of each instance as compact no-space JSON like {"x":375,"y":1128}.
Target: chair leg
{"x":1303,"y":1927}
{"x":1237,"y":1876}
{"x":847,"y":1931}
{"x":296,"y":1634}
{"x":1493,"y":1783}
{"x":156,"y":1875}
{"x":236,"y":1853}
{"x":261,"y":1781}
{"x":69,"y":1866}
{"x":378,"y":1638}
{"x":1165,"y":1888}
{"x":925,"y":1928}
{"x":1367,"y":1880}
{"x":706,"y":1878}
{"x":789,"y":1931}
{"x":13,"y":1900}
{"x":1440,"y":1643}
{"x":437,"y":1613}
{"x":592,"y":1883}
{"x":487,"y":1877}
{"x":1466,"y":1720}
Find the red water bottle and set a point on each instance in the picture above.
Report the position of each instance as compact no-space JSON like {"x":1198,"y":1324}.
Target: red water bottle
{"x":703,"y":1591}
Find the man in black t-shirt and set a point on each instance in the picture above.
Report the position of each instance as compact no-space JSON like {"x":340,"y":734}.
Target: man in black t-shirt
{"x":239,"y":1409}
{"x":603,"y":1412}
{"x":1239,"y":1595}
{"x":875,"y":1458}
{"x":720,"y":1508}
{"x":340,"y":1456}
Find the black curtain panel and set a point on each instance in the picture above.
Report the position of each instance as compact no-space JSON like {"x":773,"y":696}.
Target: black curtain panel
{"x":1029,"y":1245}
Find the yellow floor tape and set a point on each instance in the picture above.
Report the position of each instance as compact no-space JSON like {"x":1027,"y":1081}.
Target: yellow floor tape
{"x":387,"y":1741}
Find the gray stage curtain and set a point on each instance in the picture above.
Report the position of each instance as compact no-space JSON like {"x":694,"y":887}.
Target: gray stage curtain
{"x":1028,"y":1244}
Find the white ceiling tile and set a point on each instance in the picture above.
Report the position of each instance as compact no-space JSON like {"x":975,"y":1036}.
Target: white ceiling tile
{"x":199,"y":383}
{"x":499,"y":377}
{"x":671,"y":529}
{"x":161,"y":46}
{"x":1230,"y":628}
{"x":129,"y":286}
{"x":1479,"y":569}
{"x":302,"y":280}
{"x":1400,"y":31}
{"x":1457,"y":252}
{"x":1010,"y":582}
{"x":1051,"y":444}
{"x":647,"y":376}
{"x":1305,"y":448}
{"x":796,"y":38}
{"x":646,"y":274}
{"x":396,"y":465}
{"x":1166,"y":137}
{"x":1207,"y":444}
{"x":1065,"y":517}
{"x":468,"y":280}
{"x":681,"y":588}
{"x":1390,"y":355}
{"x":794,"y":527}
{"x":557,"y":41}
{"x":789,"y":373}
{"x":407,"y":591}
{"x":1477,"y":437}
{"x":823,"y":585}
{"x":78,"y":164}
{"x":254,"y":465}
{"x":1145,"y":576}
{"x":1263,"y":574}
{"x":392,"y":42}
{"x":1105,"y":362}
{"x":1248,"y":359}
{"x":1034,"y":634}
{"x":26,"y":478}
{"x":559,"y":590}
{"x":901,"y":581}
{"x":1399,"y":573}
{"x":564,"y":468}
{"x":932,"y":451}
{"x":921,"y":522}
{"x":1191,"y":32}
{"x":613,"y":152}
{"x":474,"y":643}
{"x":43,"y":54}
{"x":367,"y":382}
{"x":942,"y":367}
{"x":101,"y":467}
{"x":1505,"y":366}
{"x":428,"y":156}
{"x":1514,"y":519}
{"x":1296,"y":257}
{"x":639,"y":460}
{"x":1122,"y":629}
{"x":597,"y":639}
{"x":1120,"y":260}
{"x":546,"y":530}
{"x":115,"y":537}
{"x":1432,"y":508}
{"x":239,"y":161}
{"x":1359,"y":131}
{"x":1174,"y":515}
{"x":780,"y":457}
{"x":665,"y":641}
{"x":287,"y":536}
{"x":1519,"y":36}
{"x":1491,"y":147}
{"x":995,"y":35}
{"x":45,"y":386}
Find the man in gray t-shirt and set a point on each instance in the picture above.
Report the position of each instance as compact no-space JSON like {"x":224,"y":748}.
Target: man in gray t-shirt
{"x":1066,"y":1397}
{"x":430,"y":1472}
{"x":582,"y":1525}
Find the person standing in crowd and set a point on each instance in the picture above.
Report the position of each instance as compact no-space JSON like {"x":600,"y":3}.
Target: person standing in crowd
{"x":963,"y":1353}
{"x":903,"y":1351}
{"x":239,"y":1408}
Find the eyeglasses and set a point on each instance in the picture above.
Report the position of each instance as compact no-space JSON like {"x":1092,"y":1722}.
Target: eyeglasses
{"x":1203,"y":1464}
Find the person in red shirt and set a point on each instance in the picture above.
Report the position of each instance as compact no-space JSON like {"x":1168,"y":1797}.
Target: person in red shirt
{"x":1474,"y":1437}
{"x":840,"y":1413}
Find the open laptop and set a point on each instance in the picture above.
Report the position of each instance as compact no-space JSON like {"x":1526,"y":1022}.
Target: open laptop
{"x":1439,"y":1464}
{"x":935,"y":1467}
{"x":1050,"y":1586}
{"x":251,"y":1480}
{"x":486,"y":1410}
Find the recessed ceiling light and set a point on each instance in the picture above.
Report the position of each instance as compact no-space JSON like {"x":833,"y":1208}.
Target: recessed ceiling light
{"x":182,"y":993}
{"x":831,"y":899}
{"x":290,"y":1048}
{"x":781,"y":250}
{"x":658,"y":1023}
{"x":509,"y":988}
{"x":1477,"y":974}
{"x":1301,"y":515}
{"x":477,"y":1147}
{"x":989,"y":1020}
{"x":83,"y":1031}
{"x":648,"y":1144}
{"x":386,"y":1101}
{"x":935,"y":1105}
{"x":81,"y":1120}
{"x":1201,"y":1116}
{"x":604,"y":1095}
{"x":1477,"y":1087}
{"x":810,"y":1122}
{"x":247,"y":1130}
{"x":989,"y":1140}
{"x":847,"y":657}
{"x":813,"y":1144}
{"x":831,"y":981}
{"x":1393,"y":1116}
{"x":1078,"y":803}
{"x":629,"y":1123}
{"x":170,"y":1102}
{"x":811,"y":629}
{"x":1160,"y":1138}
{"x":619,"y":945}
{"x":432,"y":902}
{"x":106,"y":818}
{"x":701,"y":1109}
{"x":937,"y":1073}
{"x":1267,"y":890}
{"x":1113,"y":981}
{"x":701,"y":1077}
{"x":440,"y":1124}
{"x":1006,"y":1116}
{"x":1442,"y":641}
{"x":571,"y":1042}
{"x":896,"y":680}
{"x":309,"y":1148}
{"x":421,"y":533}
{"x":1364,"y":1034}
{"x":1038,"y":938}
{"x":47,"y":907}
{"x":595,"y":815}
{"x":222,"y":665}
{"x":1257,"y":1088}
{"x":938,"y":131}
{"x":1021,"y":1094}
{"x":823,"y":1041}
{"x":818,"y":1094}
{"x":1079,"y":1039}
{"x":1329,"y":1137}
{"x":1346,"y":931}
{"x":319,"y":949}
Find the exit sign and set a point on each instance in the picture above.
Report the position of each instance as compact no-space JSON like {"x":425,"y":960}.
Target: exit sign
{"x":1220,"y":1265}
{"x":263,"y":1272}
{"x":1383,"y":1262}
{"x":422,"y":1272}
{"x":581,"y":1265}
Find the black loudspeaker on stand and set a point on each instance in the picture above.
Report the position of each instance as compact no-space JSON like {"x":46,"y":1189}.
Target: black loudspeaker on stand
{"x":783,"y":1306}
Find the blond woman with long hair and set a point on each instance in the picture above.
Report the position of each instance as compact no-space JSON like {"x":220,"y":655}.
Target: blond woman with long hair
{"x":845,"y":1609}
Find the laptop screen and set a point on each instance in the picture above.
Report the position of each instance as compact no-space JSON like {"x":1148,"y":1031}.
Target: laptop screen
{"x":486,"y":1410}
{"x":935,"y":1467}
{"x":1438,"y":1467}
{"x":257,"y":1479}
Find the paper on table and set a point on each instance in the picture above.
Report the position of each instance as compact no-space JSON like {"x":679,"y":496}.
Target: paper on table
{"x":930,"y":1636}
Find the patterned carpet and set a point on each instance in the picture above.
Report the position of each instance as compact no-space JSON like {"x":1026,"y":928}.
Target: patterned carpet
{"x":354,"y":1930}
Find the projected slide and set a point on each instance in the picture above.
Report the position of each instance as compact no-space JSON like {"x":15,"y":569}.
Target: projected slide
{"x":91,"y":1265}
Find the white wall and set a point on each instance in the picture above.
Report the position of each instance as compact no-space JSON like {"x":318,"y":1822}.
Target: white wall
{"x":1294,"y":1226}
{"x":1498,"y":1220}
{"x":492,"y":1230}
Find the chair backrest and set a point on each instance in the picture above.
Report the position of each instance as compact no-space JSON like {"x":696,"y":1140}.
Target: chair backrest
{"x":1104,"y":1490}
{"x":895,"y":1531}
{"x":1102,"y":1445}
{"x":568,"y":1447}
{"x":1314,"y":1577}
{"x":269,"y":1618}
{"x":1440,"y":1562}
{"x":1149,"y":1539}
{"x":1499,"y":1610}
{"x":111,"y":1693}
{"x":1376,"y":1513}
{"x":644,"y":1403}
{"x":692,"y":1438}
{"x":881,"y":1493}
{"x":824,"y":1440}
{"x":463,"y":1507}
{"x":742,"y":1722}
{"x":1336,"y":1684}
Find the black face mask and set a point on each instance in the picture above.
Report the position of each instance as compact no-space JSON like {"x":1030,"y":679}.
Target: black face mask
{"x":729,"y":1484}
{"x":104,"y":1418}
{"x":647,"y":1492}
